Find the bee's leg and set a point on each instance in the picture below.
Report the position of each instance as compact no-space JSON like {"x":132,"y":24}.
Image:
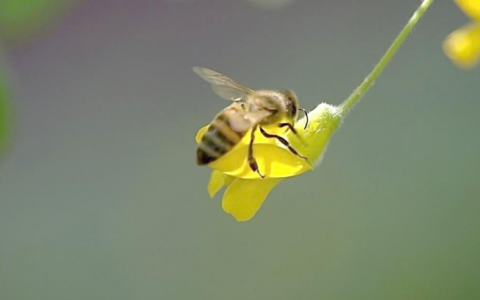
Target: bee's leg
{"x":283,"y":141}
{"x":252,"y":162}
{"x":290,"y":126}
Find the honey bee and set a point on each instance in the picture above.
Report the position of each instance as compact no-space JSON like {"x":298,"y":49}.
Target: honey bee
{"x":251,"y":110}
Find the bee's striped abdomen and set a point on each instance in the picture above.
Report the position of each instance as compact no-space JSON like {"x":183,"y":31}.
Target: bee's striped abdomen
{"x":219,"y":139}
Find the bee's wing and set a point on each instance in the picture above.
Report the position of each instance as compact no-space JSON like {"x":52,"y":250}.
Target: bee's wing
{"x":223,"y":86}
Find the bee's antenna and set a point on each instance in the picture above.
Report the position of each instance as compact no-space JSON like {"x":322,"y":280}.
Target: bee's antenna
{"x":306,"y":117}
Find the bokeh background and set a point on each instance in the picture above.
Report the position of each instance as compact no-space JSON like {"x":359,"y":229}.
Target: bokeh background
{"x":100,"y":197}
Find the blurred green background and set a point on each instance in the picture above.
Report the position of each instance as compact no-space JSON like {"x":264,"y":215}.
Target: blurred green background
{"x":100,"y":197}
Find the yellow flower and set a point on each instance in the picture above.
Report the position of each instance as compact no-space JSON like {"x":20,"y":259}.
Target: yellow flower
{"x":463,"y":45}
{"x":246,"y":191}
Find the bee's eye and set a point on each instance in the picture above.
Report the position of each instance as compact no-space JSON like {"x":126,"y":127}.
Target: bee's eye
{"x":291,"y":108}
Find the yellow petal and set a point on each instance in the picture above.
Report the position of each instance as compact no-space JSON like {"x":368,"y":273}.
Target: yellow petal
{"x":463,"y":46}
{"x":243,"y":197}
{"x":217,"y":181}
{"x":274,"y":159}
{"x":201,"y":133}
{"x":228,"y":179}
{"x":470,"y":7}
{"x":273,"y":162}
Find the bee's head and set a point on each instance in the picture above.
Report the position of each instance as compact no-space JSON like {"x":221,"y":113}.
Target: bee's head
{"x":291,"y":103}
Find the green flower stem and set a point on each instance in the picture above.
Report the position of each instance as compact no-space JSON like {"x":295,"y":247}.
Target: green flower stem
{"x":346,"y":106}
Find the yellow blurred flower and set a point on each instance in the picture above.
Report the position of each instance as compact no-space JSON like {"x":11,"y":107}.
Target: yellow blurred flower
{"x":463,"y":45}
{"x":246,"y":191}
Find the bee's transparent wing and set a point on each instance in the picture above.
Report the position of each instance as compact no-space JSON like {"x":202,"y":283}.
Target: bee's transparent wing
{"x":223,"y":86}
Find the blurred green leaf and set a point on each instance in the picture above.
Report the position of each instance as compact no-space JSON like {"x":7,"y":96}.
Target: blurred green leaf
{"x":23,"y":18}
{"x":4,"y":111}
